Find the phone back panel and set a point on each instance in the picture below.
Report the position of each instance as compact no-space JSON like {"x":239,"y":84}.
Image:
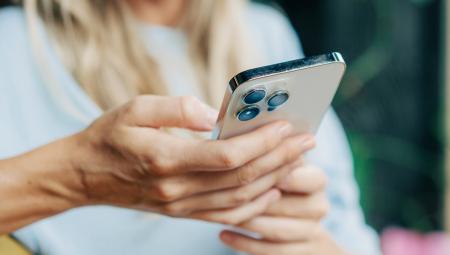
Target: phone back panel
{"x":311,"y":89}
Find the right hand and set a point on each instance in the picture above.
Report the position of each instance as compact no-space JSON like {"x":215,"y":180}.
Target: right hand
{"x":124,"y":159}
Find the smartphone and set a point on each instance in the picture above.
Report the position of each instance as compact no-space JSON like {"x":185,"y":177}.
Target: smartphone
{"x":298,"y":91}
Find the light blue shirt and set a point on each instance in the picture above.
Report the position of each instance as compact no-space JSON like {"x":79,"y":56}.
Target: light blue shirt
{"x":31,"y":115}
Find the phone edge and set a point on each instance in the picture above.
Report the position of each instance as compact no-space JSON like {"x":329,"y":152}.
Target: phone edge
{"x":266,"y":71}
{"x":284,"y":67}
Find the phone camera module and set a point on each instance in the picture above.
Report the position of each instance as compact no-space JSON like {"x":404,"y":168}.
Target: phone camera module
{"x":254,"y":96}
{"x":248,"y":113}
{"x":277,"y":99}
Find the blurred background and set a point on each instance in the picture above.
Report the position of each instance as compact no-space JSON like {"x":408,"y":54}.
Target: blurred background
{"x":391,"y":101}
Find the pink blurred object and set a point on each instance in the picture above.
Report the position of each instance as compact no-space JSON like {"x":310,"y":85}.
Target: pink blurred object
{"x":396,"y":241}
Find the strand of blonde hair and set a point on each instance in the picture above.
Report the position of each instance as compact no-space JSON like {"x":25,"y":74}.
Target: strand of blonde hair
{"x":99,"y":44}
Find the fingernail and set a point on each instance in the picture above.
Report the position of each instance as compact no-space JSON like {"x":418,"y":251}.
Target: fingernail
{"x":307,"y":141}
{"x":226,"y":237}
{"x":285,"y":129}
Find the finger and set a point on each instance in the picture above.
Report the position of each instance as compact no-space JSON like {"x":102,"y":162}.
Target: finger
{"x":254,"y":246}
{"x":179,"y":156}
{"x":238,"y":151}
{"x":162,"y":111}
{"x":282,"y":229}
{"x":305,"y":179}
{"x":240,"y":214}
{"x":313,"y":207}
{"x":226,"y":198}
{"x":179,"y":186}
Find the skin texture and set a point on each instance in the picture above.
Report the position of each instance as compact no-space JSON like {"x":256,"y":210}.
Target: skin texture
{"x":292,"y":224}
{"x":124,"y":159}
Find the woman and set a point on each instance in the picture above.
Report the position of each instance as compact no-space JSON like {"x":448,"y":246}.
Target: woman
{"x":79,"y":58}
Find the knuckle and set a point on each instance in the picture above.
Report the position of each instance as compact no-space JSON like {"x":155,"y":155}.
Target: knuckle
{"x":228,"y":159}
{"x":246,"y":175}
{"x":134,"y":106}
{"x":172,"y":209}
{"x":292,"y":151}
{"x":187,"y":107}
{"x":284,"y":173}
{"x":134,"y":109}
{"x":241,"y":196}
{"x":161,"y":166}
{"x":226,"y":218}
{"x":270,"y":142}
{"x":167,"y":192}
{"x":115,"y":138}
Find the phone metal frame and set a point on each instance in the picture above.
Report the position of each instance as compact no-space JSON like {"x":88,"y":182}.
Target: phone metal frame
{"x":265,"y":71}
{"x":272,"y":70}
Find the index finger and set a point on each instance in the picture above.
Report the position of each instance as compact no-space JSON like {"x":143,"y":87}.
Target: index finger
{"x":234,"y":152}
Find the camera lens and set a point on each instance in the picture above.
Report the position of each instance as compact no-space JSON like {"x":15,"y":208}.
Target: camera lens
{"x":254,"y":96}
{"x":278,"y":98}
{"x":248,"y":113}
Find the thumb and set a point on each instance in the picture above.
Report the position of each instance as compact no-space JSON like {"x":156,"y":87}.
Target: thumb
{"x":306,"y":179}
{"x":162,"y":111}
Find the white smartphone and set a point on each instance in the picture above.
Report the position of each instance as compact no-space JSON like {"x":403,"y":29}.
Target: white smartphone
{"x":299,"y":91}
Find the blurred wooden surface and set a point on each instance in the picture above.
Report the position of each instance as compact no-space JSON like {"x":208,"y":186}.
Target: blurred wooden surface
{"x":9,"y":246}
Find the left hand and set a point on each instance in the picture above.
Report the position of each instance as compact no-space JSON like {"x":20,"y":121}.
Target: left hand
{"x":292,"y":224}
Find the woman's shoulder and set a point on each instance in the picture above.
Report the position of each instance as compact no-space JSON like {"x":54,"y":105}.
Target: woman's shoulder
{"x":279,"y":39}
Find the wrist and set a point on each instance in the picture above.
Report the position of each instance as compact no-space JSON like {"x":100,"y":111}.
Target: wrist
{"x":67,"y":176}
{"x":50,"y":173}
{"x":38,"y":184}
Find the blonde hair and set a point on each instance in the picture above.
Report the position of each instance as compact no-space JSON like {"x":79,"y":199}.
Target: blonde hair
{"x":98,"y":43}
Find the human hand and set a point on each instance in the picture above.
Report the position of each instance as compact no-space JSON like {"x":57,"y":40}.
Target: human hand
{"x":124,"y":159}
{"x":292,"y":224}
